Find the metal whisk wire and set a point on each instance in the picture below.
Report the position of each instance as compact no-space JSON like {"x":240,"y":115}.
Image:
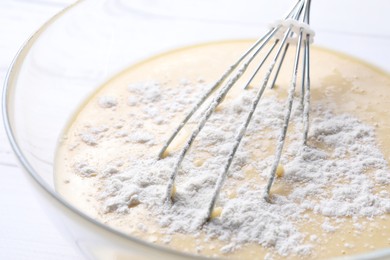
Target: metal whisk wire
{"x":298,"y":20}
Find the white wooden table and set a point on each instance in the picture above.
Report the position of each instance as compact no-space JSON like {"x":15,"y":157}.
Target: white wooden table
{"x":25,"y":230}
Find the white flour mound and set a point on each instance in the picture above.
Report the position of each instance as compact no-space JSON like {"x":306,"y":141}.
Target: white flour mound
{"x":335,"y":175}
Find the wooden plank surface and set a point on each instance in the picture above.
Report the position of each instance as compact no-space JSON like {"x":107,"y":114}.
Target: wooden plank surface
{"x":26,"y":232}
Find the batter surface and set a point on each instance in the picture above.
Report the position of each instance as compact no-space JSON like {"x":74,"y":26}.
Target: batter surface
{"x":332,"y":200}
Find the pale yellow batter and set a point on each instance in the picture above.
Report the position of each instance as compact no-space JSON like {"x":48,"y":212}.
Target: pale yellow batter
{"x":352,"y":86}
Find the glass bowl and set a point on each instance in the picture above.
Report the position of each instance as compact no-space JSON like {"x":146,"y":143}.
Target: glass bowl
{"x":87,"y":43}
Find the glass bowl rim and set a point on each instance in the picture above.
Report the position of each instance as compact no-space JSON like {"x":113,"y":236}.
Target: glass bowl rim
{"x":9,"y":86}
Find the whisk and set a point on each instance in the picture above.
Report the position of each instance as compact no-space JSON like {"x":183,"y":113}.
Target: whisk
{"x":293,"y":29}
